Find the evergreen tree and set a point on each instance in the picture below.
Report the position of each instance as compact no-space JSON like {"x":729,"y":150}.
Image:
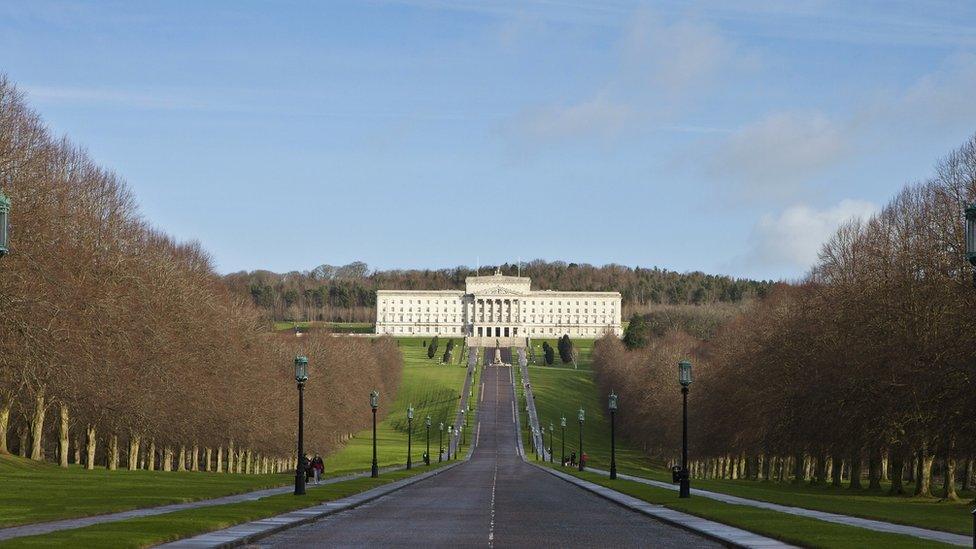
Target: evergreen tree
{"x":449,"y":351}
{"x":548,"y":352}
{"x":432,"y":348}
{"x":636,"y":333}
{"x":565,"y":349}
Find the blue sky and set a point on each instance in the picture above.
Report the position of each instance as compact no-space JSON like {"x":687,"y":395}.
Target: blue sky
{"x":729,"y":137}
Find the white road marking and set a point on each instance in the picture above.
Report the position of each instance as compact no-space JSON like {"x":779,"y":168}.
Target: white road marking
{"x":491,"y":525}
{"x":482,"y":391}
{"x":513,"y":412}
{"x":477,"y":437}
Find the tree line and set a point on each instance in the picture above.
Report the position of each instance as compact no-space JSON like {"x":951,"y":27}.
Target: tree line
{"x":861,"y":373}
{"x":120,"y":346}
{"x":348,"y":293}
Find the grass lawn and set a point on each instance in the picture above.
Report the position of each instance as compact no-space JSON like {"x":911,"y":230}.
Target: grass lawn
{"x":788,"y":528}
{"x":583,"y":347}
{"x":433,"y":389}
{"x":561,"y":391}
{"x":39,"y":492}
{"x":144,"y":532}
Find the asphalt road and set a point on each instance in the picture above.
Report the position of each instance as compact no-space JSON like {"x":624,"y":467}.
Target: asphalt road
{"x":494,"y":500}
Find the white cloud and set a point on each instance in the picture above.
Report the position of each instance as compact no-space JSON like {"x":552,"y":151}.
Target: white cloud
{"x":791,"y":240}
{"x":779,"y":152}
{"x":598,"y":116}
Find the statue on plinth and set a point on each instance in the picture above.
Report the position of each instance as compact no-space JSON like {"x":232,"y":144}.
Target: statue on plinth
{"x":498,"y":353}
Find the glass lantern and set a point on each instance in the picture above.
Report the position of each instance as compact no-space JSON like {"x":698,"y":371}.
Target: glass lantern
{"x":581,"y":415}
{"x":684,"y":373}
{"x":374,"y":399}
{"x":971,"y":233}
{"x":301,"y":369}
{"x":612,"y":402}
{"x":410,"y":412}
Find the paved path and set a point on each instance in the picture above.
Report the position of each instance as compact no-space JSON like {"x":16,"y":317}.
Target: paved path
{"x":68,"y":524}
{"x":876,"y":525}
{"x":493,"y":499}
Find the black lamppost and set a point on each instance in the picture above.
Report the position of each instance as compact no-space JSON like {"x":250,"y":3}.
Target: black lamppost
{"x":409,"y":435}
{"x":374,"y":403}
{"x":551,"y":432}
{"x":562,"y":439}
{"x":4,"y":224}
{"x":535,"y":442}
{"x":301,"y":376}
{"x":427,"y":423}
{"x":440,"y":443}
{"x":970,"y":237}
{"x":581,"y":415}
{"x":450,"y":439}
{"x":612,"y":406}
{"x":684,"y":378}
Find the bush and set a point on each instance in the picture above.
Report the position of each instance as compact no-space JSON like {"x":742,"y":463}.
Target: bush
{"x":565,"y":349}
{"x":432,"y":348}
{"x":548,"y":352}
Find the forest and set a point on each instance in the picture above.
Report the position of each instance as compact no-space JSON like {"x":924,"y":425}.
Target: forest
{"x":348,"y":293}
{"x":863,"y":372}
{"x":120,"y":346}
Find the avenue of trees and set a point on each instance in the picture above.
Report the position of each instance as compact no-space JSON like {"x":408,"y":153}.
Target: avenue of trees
{"x":122,"y":347}
{"x":348,"y":293}
{"x":860,"y":373}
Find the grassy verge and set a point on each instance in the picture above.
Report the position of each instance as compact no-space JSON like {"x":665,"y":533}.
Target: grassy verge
{"x":789,"y":528}
{"x":144,"y":532}
{"x":334,"y":327}
{"x":39,"y":492}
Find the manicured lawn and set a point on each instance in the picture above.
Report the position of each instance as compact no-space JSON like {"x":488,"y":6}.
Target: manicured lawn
{"x":39,"y":492}
{"x":583,"y":347}
{"x":560,"y":391}
{"x":433,"y":389}
{"x":144,"y":532}
{"x":782,"y":526}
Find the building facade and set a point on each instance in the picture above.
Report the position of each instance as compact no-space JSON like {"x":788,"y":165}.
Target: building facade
{"x":497,"y":307}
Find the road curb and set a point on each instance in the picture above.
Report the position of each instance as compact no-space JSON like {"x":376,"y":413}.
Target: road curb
{"x":716,"y":531}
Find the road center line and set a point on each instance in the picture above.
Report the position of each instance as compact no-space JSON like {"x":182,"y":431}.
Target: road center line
{"x":491,"y":524}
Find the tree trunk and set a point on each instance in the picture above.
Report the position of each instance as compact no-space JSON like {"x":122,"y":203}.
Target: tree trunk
{"x":874,"y":470}
{"x":836,"y":472}
{"x":63,"y":436}
{"x":855,"y":483}
{"x":167,"y":459}
{"x":250,"y":463}
{"x":230,"y":457}
{"x":113,"y":452}
{"x":90,"y":447}
{"x":135,"y":442}
{"x":820,"y":470}
{"x":181,"y":465}
{"x":923,"y":476}
{"x":208,"y":456}
{"x":799,"y":472}
{"x":195,"y":466}
{"x":949,"y":482}
{"x":151,"y":456}
{"x":967,"y":477}
{"x":77,"y":450}
{"x":765,"y":467}
{"x":220,"y":459}
{"x":37,"y":427}
{"x":24,"y":434}
{"x":896,"y":469}
{"x":4,"y":424}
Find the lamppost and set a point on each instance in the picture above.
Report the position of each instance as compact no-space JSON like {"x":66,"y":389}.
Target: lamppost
{"x":409,"y":435}
{"x":551,"y":431}
{"x":301,"y":376}
{"x":427,"y":423}
{"x":684,"y":378}
{"x":612,"y":405}
{"x":440,"y":443}
{"x":374,"y":403}
{"x":562,"y":439}
{"x":4,"y":224}
{"x":970,"y":237}
{"x":535,"y":442}
{"x":581,"y":415}
{"x":450,"y":439}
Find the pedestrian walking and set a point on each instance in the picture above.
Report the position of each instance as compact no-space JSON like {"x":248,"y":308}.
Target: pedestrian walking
{"x":318,"y":467}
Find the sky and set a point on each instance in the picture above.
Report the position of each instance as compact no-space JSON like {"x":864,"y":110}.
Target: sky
{"x":726,"y":137}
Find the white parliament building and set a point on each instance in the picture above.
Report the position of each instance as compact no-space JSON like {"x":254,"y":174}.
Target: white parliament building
{"x":499,"y":307}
